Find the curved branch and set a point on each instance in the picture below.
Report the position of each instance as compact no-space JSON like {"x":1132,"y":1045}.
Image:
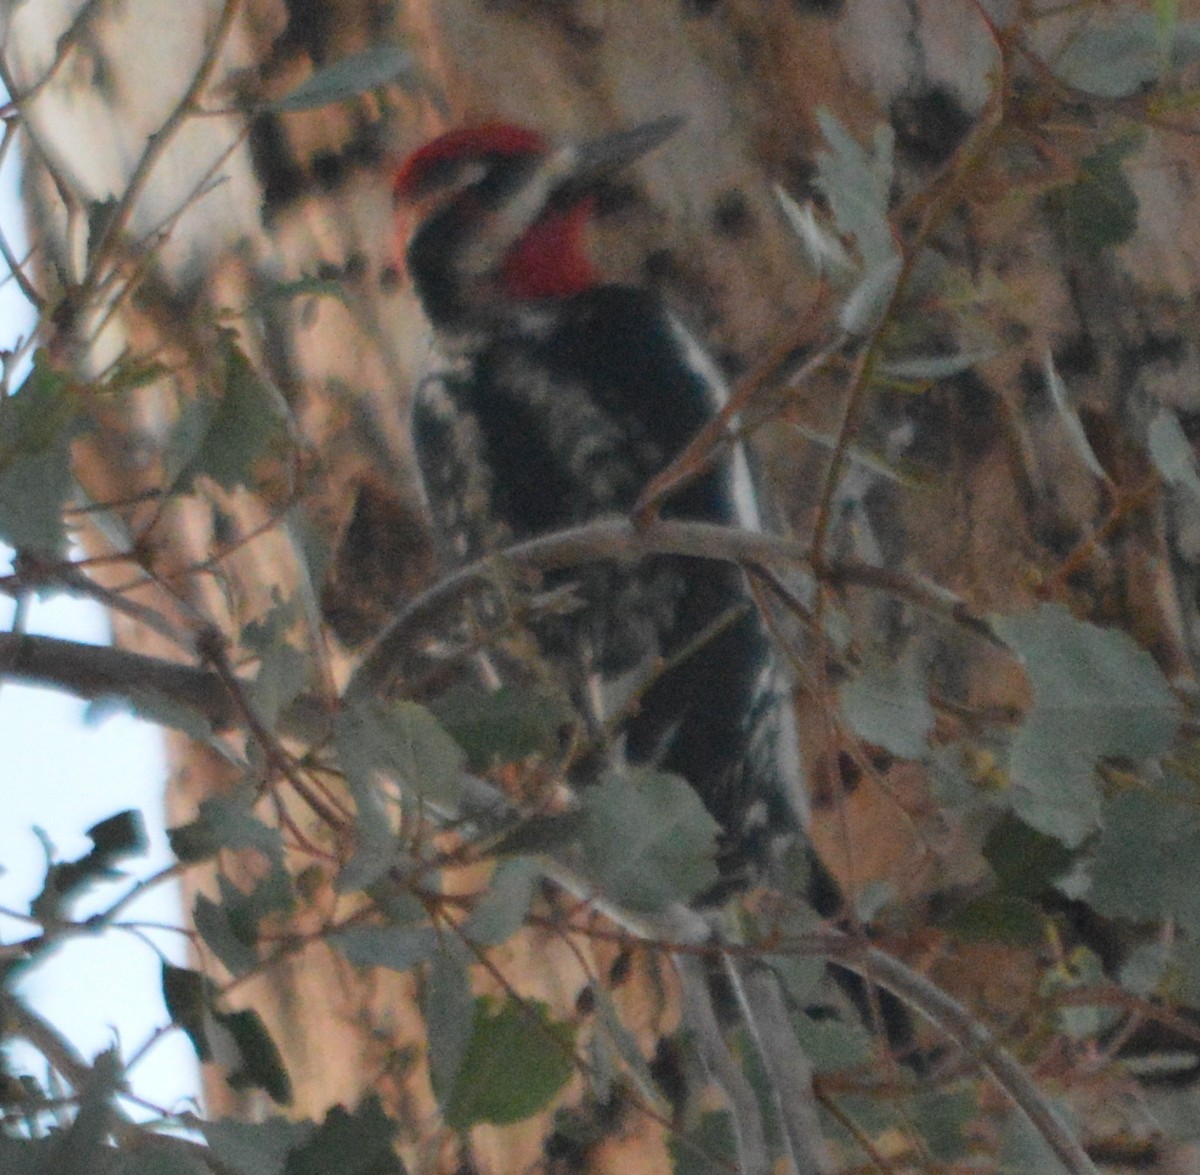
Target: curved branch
{"x":947,"y":1015}
{"x":620,"y":539}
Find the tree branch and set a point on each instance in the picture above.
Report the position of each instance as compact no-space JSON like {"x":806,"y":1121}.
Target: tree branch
{"x":93,"y":671}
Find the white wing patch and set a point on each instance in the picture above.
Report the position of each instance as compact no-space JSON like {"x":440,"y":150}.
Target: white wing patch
{"x":745,"y":497}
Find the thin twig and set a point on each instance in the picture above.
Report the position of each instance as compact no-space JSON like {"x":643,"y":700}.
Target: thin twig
{"x":14,"y":266}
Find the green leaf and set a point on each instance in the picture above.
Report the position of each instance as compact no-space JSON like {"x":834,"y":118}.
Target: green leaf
{"x":79,"y":1146}
{"x":504,"y":725}
{"x":37,"y":424}
{"x":350,"y":1143}
{"x":833,"y":1042}
{"x":930,"y":368}
{"x":215,"y":926}
{"x":268,"y":631}
{"x":1026,"y":862}
{"x":501,"y":912}
{"x":260,"y":1065}
{"x":255,"y":1148}
{"x":449,"y":1010}
{"x":230,"y":927}
{"x":349,"y":77}
{"x":516,"y":1060}
{"x":709,"y":1147}
{"x":1144,"y":863}
{"x":283,"y":673}
{"x":1113,"y":59}
{"x":826,"y":254}
{"x":1142,"y":972}
{"x":225,"y":822}
{"x":888,"y":705}
{"x":223,"y":439}
{"x":191,"y":1000}
{"x":864,"y":309}
{"x":1117,"y":58}
{"x":1100,"y":209}
{"x":1172,"y":453}
{"x":122,"y":835}
{"x":943,"y":1121}
{"x":857,"y":184}
{"x":999,"y":918}
{"x":401,"y":741}
{"x":1026,"y":1149}
{"x":188,"y":996}
{"x":404,"y":741}
{"x":1096,"y":695}
{"x":154,"y":706}
{"x":648,"y":839}
{"x":399,"y":948}
{"x":624,"y":1043}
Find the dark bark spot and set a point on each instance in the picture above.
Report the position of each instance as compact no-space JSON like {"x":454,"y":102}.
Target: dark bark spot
{"x":279,"y":175}
{"x":1077,"y":356}
{"x":819,"y":7}
{"x":383,"y":557}
{"x":732,"y":216}
{"x":309,"y":29}
{"x":929,"y":124}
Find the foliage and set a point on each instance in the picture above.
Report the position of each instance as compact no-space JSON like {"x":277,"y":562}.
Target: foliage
{"x":436,"y":830}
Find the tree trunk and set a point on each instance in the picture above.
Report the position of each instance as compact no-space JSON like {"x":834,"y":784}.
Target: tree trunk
{"x":1012,"y":199}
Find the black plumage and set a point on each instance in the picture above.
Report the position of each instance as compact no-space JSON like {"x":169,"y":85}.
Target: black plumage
{"x":555,"y":411}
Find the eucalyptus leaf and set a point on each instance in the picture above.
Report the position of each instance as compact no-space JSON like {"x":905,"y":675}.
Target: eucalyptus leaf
{"x":37,"y":424}
{"x":214,"y":925}
{"x":1096,"y":695}
{"x":863,"y":310}
{"x":888,"y":705}
{"x":1144,"y":864}
{"x":1069,"y":418}
{"x":255,"y":1148}
{"x":516,"y":1060}
{"x":349,"y":77}
{"x":399,"y":948}
{"x":501,"y":912}
{"x":648,"y":839}
{"x":449,"y":1010}
{"x":353,"y":1142}
{"x":504,"y":725}
{"x":225,"y":822}
{"x":1099,"y":209}
{"x":857,"y":183}
{"x":222,"y":438}
{"x":403,"y":742}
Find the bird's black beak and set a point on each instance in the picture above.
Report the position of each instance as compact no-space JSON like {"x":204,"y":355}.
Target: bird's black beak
{"x":596,"y":159}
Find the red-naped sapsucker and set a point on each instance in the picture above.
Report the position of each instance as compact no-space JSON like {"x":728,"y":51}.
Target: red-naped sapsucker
{"x":560,"y":398}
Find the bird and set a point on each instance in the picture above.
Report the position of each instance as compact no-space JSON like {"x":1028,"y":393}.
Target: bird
{"x":559,"y":396}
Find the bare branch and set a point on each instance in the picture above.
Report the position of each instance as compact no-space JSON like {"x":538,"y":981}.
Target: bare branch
{"x":92,"y":671}
{"x":625,"y":541}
